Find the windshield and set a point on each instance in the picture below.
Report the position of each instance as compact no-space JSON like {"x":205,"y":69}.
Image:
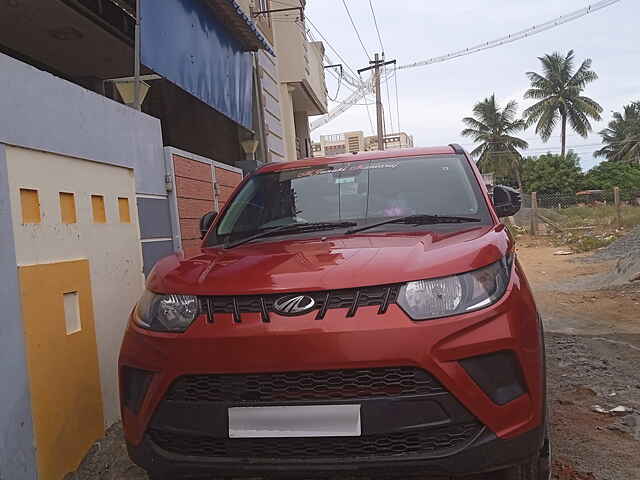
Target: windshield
{"x":361,"y":192}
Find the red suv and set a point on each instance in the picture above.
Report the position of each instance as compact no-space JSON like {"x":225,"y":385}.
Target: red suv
{"x":360,"y":314}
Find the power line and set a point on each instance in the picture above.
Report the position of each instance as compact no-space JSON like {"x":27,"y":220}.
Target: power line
{"x":375,"y":22}
{"x":370,"y":121}
{"x":356,"y":29}
{"x":356,"y":82}
{"x":395,"y":76}
{"x":388,"y":100}
{"x":337,"y":89}
{"x":625,"y":142}
{"x":512,"y":37}
{"x":529,"y":32}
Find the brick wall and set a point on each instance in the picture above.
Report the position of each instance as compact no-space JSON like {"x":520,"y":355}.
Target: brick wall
{"x":196,"y":196}
{"x":227,"y":181}
{"x":194,"y":192}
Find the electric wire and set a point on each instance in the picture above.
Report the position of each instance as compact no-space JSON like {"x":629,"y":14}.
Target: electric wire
{"x":356,"y":82}
{"x":335,"y":98}
{"x":395,"y":76}
{"x":375,"y":22}
{"x":356,"y":30}
{"x":370,"y":120}
{"x":388,"y":102}
{"x":510,"y":38}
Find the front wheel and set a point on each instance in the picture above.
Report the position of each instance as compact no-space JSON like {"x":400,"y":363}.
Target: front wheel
{"x":537,"y":468}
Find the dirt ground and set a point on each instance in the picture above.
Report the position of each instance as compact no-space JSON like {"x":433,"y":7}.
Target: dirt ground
{"x":593,"y":353}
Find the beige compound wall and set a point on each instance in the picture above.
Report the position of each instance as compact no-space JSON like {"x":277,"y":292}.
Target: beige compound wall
{"x":80,"y":270}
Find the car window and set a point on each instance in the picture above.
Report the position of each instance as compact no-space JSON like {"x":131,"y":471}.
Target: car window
{"x":361,"y":191}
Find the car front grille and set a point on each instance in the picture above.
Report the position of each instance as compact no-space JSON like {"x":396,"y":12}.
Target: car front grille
{"x":381,"y":296}
{"x":301,"y":386}
{"x":418,"y":442}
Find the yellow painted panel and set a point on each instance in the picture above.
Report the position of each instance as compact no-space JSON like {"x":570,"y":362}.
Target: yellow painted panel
{"x":97,"y":206}
{"x":68,"y":208}
{"x":64,"y":378}
{"x":123,"y":207}
{"x":30,"y":204}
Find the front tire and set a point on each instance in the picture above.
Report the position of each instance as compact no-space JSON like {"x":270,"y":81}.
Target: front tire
{"x":537,"y":468}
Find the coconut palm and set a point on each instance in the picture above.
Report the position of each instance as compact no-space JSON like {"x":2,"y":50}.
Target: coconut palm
{"x":559,"y":94}
{"x":493,"y":127}
{"x":622,"y":136}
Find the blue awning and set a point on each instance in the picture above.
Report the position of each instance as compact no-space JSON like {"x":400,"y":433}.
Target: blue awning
{"x":182,"y":41}
{"x":240,"y":25}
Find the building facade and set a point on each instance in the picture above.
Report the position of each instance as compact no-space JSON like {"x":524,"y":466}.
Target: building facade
{"x":93,"y":192}
{"x":303,"y":90}
{"x":354,"y":142}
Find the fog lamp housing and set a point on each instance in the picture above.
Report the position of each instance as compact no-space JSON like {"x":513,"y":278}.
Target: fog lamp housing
{"x":498,"y":374}
{"x":135,"y":384}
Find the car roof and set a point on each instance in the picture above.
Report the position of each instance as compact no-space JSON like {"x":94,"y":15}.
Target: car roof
{"x":351,"y":157}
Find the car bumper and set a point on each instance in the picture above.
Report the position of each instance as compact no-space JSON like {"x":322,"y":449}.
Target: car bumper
{"x":510,"y":432}
{"x":486,"y":453}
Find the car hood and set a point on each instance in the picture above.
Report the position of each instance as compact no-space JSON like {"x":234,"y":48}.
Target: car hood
{"x":346,"y":261}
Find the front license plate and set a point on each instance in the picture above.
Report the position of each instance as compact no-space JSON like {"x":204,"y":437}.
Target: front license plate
{"x":298,"y":421}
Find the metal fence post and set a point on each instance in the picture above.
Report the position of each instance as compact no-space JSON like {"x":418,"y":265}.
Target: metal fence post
{"x":534,"y":214}
{"x":616,"y":201}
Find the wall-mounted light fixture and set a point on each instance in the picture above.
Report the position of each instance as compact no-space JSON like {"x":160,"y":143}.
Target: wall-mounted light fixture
{"x":126,"y":87}
{"x":250,"y":146}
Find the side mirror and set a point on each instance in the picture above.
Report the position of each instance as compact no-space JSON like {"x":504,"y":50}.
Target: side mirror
{"x":206,"y":221}
{"x":506,"y":200}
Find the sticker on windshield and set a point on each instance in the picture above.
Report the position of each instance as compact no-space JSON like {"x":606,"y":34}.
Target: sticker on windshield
{"x":345,"y":168}
{"x":345,"y":180}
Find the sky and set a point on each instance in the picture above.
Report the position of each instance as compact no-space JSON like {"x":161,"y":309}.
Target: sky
{"x":434,"y":99}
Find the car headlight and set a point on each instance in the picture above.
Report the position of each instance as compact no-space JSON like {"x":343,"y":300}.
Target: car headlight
{"x":443,"y":297}
{"x":166,"y":313}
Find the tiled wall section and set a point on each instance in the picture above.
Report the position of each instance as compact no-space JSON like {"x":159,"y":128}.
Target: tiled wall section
{"x":195,"y":197}
{"x":227,"y":181}
{"x":272,"y":107}
{"x":201,"y":186}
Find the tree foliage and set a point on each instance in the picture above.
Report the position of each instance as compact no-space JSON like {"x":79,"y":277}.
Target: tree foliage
{"x":493,"y":128}
{"x":558,"y":91}
{"x":621,"y":138}
{"x":611,"y":173}
{"x":552,"y":173}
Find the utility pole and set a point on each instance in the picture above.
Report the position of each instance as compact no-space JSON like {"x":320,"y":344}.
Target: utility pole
{"x":376,"y":64}
{"x":137,"y":101}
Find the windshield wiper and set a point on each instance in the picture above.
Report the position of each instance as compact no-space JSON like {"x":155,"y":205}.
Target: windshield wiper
{"x":291,"y":228}
{"x":421,"y":219}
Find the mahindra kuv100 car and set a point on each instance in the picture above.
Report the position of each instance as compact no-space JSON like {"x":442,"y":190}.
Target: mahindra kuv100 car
{"x":359,"y":314}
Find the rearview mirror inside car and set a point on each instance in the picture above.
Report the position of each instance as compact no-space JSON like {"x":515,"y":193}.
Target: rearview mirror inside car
{"x":506,"y":200}
{"x":206,"y":221}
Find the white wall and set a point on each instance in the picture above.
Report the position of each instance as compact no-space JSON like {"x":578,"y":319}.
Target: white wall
{"x":113,"y":248}
{"x":288,"y":122}
{"x":272,"y":102}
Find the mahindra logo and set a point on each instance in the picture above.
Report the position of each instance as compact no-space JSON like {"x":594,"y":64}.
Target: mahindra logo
{"x":294,"y":305}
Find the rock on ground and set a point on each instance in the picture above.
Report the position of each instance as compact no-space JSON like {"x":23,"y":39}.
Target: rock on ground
{"x":627,"y":244}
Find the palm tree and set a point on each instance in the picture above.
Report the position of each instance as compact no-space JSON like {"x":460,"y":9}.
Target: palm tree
{"x":622,"y":136}
{"x":493,"y":128}
{"x":559,"y":95}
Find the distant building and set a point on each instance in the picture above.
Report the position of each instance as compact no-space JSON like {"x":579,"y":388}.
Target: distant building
{"x":300,"y":73}
{"x":354,"y":142}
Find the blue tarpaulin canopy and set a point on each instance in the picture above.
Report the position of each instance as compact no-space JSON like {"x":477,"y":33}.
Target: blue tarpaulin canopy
{"x":185,"y":42}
